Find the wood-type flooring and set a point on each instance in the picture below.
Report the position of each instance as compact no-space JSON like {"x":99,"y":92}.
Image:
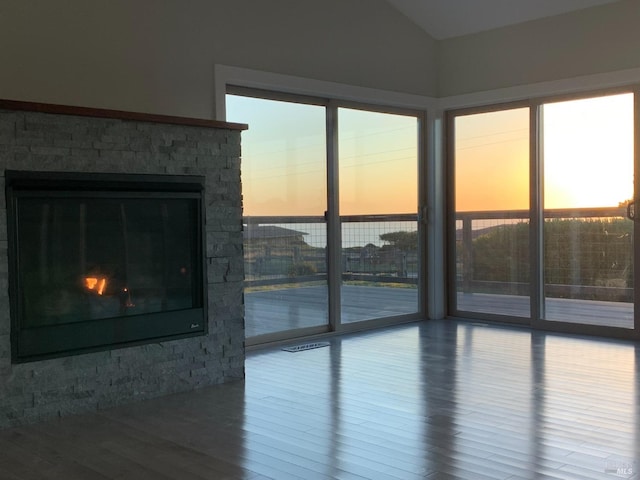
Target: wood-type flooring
{"x":429,"y":400}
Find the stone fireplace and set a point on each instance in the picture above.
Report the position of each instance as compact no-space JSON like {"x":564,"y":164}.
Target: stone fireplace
{"x":75,"y":336}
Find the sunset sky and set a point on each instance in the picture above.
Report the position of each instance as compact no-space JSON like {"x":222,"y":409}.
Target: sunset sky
{"x":283,"y":156}
{"x":588,"y":152}
{"x":587,"y":156}
{"x":492,"y":161}
{"x":587,"y":149}
{"x":284,"y":159}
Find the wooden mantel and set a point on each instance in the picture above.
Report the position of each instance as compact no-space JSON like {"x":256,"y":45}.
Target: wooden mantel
{"x":117,"y":114}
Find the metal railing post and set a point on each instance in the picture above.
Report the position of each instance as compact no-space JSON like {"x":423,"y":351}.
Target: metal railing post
{"x":467,"y":253}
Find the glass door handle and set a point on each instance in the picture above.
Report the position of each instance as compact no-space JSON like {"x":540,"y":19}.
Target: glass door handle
{"x":631,"y":210}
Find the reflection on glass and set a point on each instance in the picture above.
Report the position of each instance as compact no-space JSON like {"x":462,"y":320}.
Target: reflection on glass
{"x":492,"y":212}
{"x":588,"y":181}
{"x":610,"y":390}
{"x":378,"y":158}
{"x":285,"y":276}
{"x":283,"y":156}
{"x":91,"y":258}
{"x":284,"y":176}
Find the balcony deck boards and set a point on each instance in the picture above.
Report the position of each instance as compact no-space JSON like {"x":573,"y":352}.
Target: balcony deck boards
{"x":291,"y":308}
{"x":587,"y":312}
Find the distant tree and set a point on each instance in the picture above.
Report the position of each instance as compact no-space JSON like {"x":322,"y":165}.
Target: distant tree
{"x":405,"y":241}
{"x":576,"y":252}
{"x":502,"y":254}
{"x":588,"y":252}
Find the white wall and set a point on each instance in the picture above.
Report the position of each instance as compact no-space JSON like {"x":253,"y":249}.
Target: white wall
{"x":158,"y":56}
{"x":586,"y":42}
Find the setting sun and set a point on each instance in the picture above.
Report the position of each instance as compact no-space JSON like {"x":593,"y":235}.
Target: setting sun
{"x":588,"y":152}
{"x":586,"y":156}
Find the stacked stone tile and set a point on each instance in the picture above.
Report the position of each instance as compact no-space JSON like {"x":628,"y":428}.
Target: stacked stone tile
{"x":44,"y":389}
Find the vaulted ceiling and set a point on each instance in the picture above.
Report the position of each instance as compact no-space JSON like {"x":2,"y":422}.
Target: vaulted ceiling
{"x":452,"y":18}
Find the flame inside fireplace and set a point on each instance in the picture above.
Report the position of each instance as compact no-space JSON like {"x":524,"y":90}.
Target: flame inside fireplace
{"x":97,"y":284}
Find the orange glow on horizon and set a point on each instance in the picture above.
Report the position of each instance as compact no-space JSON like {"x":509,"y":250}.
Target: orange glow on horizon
{"x":492,"y":161}
{"x":284,"y":159}
{"x":586,"y":152}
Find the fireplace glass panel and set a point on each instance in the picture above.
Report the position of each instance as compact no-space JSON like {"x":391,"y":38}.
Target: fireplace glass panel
{"x":100,"y":261}
{"x":87,"y":259}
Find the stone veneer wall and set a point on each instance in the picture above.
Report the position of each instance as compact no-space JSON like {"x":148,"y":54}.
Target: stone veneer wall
{"x":51,"y":142}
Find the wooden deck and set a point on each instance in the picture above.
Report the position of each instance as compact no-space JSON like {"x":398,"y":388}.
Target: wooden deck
{"x":587,"y":312}
{"x":435,"y":400}
{"x":290,"y":308}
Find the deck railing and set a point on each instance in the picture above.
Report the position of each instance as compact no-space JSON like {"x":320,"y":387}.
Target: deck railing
{"x":587,"y":253}
{"x":293,"y":249}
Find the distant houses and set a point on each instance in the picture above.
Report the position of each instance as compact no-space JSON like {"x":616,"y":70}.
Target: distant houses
{"x":272,"y":236}
{"x":271,"y":250}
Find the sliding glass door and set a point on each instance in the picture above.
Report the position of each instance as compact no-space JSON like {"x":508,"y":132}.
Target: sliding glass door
{"x":378,"y":158}
{"x":331,"y":201}
{"x":284,"y":191}
{"x":541,"y":196}
{"x":587,"y":161}
{"x":491,"y":273}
